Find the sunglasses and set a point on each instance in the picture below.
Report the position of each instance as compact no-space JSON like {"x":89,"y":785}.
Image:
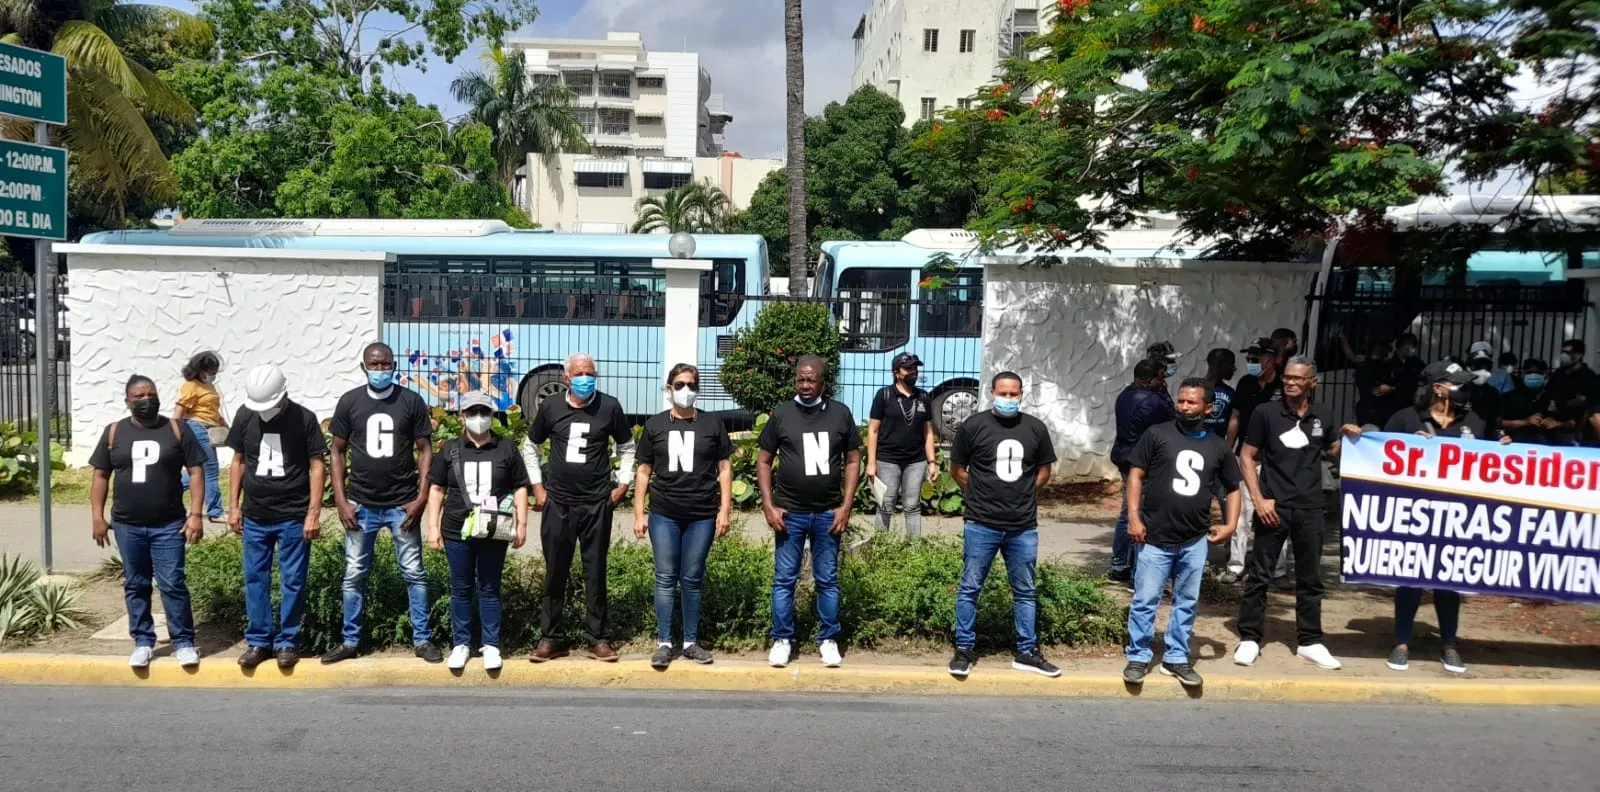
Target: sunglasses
{"x":678,"y":386}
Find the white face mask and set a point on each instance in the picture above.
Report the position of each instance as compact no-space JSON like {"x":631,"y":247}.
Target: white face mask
{"x":269,"y":413}
{"x":478,"y":424}
{"x":684,"y":398}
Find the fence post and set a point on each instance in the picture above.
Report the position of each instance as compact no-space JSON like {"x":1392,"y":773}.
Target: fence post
{"x":44,"y":344}
{"x":682,"y":331}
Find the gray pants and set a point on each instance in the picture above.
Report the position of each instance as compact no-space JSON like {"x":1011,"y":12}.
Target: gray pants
{"x":902,"y":483}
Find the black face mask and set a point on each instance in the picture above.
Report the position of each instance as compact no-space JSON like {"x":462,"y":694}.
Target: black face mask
{"x":145,"y":410}
{"x":1460,"y":396}
{"x":1191,"y":422}
{"x":910,"y":380}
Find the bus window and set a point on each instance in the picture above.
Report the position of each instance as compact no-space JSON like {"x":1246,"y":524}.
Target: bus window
{"x":721,"y":292}
{"x":632,"y":292}
{"x":821,"y":284}
{"x":955,"y":310}
{"x":875,"y":308}
{"x":432,"y":288}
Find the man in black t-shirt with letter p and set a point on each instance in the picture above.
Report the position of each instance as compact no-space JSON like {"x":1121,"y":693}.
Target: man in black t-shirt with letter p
{"x":1000,"y":458}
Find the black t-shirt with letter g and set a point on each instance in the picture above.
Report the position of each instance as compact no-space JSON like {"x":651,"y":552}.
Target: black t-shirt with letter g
{"x":1002,"y":457}
{"x":1180,"y":474}
{"x":580,"y":450}
{"x":277,"y":461}
{"x":683,"y":456}
{"x":491,"y":472}
{"x":382,"y":435}
{"x":810,"y":444}
{"x":146,"y":467}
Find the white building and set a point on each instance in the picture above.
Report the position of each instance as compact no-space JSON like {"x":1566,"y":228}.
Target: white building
{"x":585,"y":193}
{"x":935,"y":54}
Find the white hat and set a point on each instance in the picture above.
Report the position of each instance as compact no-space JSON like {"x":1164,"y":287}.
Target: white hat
{"x":1481,"y":349}
{"x":264,"y":387}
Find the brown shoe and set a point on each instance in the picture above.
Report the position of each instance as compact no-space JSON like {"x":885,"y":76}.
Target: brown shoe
{"x":545,"y":651}
{"x":603,"y":652}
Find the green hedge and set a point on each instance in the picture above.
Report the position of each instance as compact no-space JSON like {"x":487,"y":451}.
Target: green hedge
{"x":892,"y":590}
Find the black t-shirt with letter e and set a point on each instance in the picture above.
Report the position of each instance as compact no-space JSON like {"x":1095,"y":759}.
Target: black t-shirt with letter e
{"x":902,"y":425}
{"x":491,"y":472}
{"x":1002,"y":457}
{"x":580,"y":450}
{"x":146,"y":467}
{"x":1181,"y":471}
{"x":810,"y":444}
{"x":277,"y":461}
{"x":382,"y":434}
{"x":683,"y":456}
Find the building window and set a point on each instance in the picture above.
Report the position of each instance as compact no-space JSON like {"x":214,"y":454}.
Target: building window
{"x":969,"y":40}
{"x":652,"y":82}
{"x":585,"y":118}
{"x":616,"y":86}
{"x":665,"y":181}
{"x":927,"y":109}
{"x":614,"y":122}
{"x":541,"y":78}
{"x":930,"y":40}
{"x":964,"y":104}
{"x":579,"y":83}
{"x":610,"y":180}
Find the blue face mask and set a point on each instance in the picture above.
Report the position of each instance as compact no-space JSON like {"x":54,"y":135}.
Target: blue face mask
{"x":583,"y":386}
{"x":804,"y":403}
{"x":1252,"y":369}
{"x":380,"y":380}
{"x":1172,"y":371}
{"x":1006,"y":408}
{"x":1535,"y":381}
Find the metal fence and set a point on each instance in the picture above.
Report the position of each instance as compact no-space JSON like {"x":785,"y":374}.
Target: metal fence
{"x":19,"y":369}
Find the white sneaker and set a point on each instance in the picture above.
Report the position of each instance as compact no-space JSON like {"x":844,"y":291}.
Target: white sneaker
{"x":830,"y":654}
{"x":1318,"y":655}
{"x":458,"y":658}
{"x":141,"y":657}
{"x":779,"y":656}
{"x":1247,"y":653}
{"x":491,"y":658}
{"x":188,"y":657}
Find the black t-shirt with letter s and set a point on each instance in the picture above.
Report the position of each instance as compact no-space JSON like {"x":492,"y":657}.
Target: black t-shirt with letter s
{"x":683,"y":456}
{"x":580,"y":450}
{"x":146,"y":467}
{"x":382,"y":435}
{"x":1002,"y":457}
{"x":810,"y":444}
{"x":277,"y":458}
{"x":1180,"y":474}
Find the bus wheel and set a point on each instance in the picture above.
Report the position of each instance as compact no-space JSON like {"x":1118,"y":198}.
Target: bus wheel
{"x":950,"y":408}
{"x":539,"y":386}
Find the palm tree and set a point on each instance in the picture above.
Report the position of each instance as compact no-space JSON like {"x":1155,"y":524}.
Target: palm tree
{"x":114,"y":152}
{"x":795,"y":114}
{"x":524,"y":116}
{"x":696,"y":207}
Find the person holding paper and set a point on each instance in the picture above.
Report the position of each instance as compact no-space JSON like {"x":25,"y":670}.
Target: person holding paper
{"x":477,"y":507}
{"x":900,"y":445}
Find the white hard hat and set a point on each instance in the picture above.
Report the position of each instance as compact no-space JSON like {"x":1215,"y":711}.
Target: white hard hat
{"x":264,"y":387}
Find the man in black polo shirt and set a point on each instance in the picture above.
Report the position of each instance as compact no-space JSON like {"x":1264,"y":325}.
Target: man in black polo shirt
{"x":1288,"y":439}
{"x":900,"y":445}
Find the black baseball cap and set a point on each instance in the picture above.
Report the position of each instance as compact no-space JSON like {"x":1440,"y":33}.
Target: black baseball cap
{"x":1162,"y":349}
{"x":906,"y":360}
{"x":1446,"y":371}
{"x":1262,"y":346}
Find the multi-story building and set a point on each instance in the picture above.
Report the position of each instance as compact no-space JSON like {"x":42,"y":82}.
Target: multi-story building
{"x":935,"y":54}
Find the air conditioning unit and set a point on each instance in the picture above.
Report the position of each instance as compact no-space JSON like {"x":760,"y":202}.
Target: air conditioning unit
{"x":942,"y":238}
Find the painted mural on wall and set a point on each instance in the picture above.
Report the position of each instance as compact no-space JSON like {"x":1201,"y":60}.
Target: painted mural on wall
{"x":444,"y":377}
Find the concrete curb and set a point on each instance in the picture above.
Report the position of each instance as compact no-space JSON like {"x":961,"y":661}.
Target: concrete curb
{"x":222,"y":672}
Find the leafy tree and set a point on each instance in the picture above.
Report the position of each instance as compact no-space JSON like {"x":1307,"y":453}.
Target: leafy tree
{"x":759,"y":371}
{"x":696,"y":207}
{"x":795,"y":131}
{"x":523,"y":115}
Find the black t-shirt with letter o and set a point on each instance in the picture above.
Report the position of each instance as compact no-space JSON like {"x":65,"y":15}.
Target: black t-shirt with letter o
{"x":491,"y":472}
{"x":1002,"y":457}
{"x":683,"y":456}
{"x":382,"y":434}
{"x":1180,"y":474}
{"x":146,"y":467}
{"x":902,"y":425}
{"x":580,"y":450}
{"x":811,"y":444}
{"x":277,"y":461}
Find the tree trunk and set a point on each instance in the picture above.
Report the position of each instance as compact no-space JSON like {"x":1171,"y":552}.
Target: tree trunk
{"x":795,"y":68}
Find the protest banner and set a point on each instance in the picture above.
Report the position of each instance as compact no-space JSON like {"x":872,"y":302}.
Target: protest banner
{"x":1471,"y":515}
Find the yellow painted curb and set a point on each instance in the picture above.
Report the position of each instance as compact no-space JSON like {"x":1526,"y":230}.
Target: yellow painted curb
{"x":222,"y":672}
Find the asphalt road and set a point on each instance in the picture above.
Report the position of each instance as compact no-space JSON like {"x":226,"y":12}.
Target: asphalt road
{"x":132,"y":739}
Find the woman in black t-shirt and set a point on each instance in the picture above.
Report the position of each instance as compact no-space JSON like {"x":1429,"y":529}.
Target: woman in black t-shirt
{"x":472,"y":476}
{"x":683,"y":459}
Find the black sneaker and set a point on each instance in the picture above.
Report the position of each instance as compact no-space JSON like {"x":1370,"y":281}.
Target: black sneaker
{"x":343,"y":653}
{"x":1120,"y":575}
{"x":1184,"y":672}
{"x":429,"y":653}
{"x":288,"y":657}
{"x":1399,"y":659}
{"x":254,"y":656}
{"x":697,"y":653}
{"x":1036,"y":663}
{"x":1452,"y":661}
{"x":662,"y":658}
{"x":1133,"y":673}
{"x":963,"y":661}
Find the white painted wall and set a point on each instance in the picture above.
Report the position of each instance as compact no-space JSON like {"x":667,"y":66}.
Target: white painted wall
{"x":1075,"y":330}
{"x":684,"y":103}
{"x":144,"y":310}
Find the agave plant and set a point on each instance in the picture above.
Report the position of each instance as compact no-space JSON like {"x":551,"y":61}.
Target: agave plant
{"x":58,"y":607}
{"x":17,"y":580}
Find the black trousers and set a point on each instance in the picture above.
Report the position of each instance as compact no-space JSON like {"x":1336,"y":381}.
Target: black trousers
{"x":564,"y":527}
{"x":1303,"y":528}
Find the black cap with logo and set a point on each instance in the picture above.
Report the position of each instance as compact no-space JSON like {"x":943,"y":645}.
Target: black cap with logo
{"x":906,"y":360}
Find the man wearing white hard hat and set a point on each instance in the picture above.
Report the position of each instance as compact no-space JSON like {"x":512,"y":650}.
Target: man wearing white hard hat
{"x":278,"y":467}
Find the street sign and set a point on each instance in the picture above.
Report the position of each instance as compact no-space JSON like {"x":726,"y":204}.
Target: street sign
{"x":33,"y":84}
{"x":33,"y":190}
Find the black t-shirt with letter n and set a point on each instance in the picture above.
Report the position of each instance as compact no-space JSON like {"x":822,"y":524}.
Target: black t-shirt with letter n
{"x":146,"y":467}
{"x":902,"y":425}
{"x":382,"y":434}
{"x":1002,"y":457}
{"x":580,"y":450}
{"x":683,"y":457}
{"x":1180,"y":474}
{"x":810,"y":444}
{"x":492,"y":471}
{"x":277,"y":461}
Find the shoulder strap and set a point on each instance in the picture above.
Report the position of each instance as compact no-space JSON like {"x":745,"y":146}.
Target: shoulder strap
{"x":452,"y":451}
{"x":111,"y":435}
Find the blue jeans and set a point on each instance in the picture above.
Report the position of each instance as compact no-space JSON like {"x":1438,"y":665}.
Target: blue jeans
{"x":1020,"y":549}
{"x":1123,"y":553}
{"x":680,"y":554}
{"x":1184,"y":566}
{"x":155,"y":551}
{"x":476,"y":566}
{"x":791,"y":549}
{"x":213,"y":491}
{"x":358,"y":546}
{"x":293,"y":554}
